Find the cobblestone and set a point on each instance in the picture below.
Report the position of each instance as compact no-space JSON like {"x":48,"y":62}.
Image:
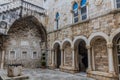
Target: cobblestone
{"x":46,"y":74}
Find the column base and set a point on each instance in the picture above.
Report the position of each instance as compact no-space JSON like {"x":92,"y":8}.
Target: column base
{"x":68,"y":69}
{"x":51,"y":67}
{"x":102,"y":75}
{"x":88,"y":70}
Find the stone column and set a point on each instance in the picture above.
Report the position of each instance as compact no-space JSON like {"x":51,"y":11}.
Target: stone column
{"x":3,"y":57}
{"x":62,"y":58}
{"x":50,"y":57}
{"x":110,"y":58}
{"x":93,"y":59}
{"x":89,"y":58}
{"x":53,"y":58}
{"x":73,"y":58}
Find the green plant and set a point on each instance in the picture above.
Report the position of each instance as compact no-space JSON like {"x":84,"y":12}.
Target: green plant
{"x":43,"y":63}
{"x":43,"y":60}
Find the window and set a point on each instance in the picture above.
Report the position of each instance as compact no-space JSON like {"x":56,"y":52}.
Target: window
{"x":118,"y":3}
{"x":35,"y":56}
{"x":57,"y":21}
{"x":12,"y":55}
{"x":75,"y":12}
{"x":83,"y":9}
{"x":24,"y":54}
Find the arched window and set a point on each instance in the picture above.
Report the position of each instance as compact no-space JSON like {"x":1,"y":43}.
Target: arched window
{"x":118,"y":3}
{"x":57,"y":20}
{"x":75,"y":12}
{"x":83,"y":9}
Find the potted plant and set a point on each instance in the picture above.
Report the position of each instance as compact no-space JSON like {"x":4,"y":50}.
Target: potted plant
{"x":43,"y":60}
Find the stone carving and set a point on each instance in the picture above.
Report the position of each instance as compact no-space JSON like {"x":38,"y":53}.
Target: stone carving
{"x":98,"y":2}
{"x":3,"y":25}
{"x":101,"y":56}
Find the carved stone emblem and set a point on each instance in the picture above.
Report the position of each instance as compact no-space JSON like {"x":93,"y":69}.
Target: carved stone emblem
{"x":98,"y":2}
{"x":3,"y":25}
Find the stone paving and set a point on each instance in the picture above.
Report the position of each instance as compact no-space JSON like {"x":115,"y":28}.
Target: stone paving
{"x":46,"y":74}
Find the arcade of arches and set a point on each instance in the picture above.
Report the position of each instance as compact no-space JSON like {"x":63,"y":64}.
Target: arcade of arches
{"x":95,"y":55}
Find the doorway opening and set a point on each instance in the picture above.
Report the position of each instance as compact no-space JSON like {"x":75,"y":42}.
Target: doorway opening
{"x":82,"y":56}
{"x":57,"y":55}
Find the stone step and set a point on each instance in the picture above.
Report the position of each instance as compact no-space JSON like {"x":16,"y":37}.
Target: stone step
{"x":23,"y":77}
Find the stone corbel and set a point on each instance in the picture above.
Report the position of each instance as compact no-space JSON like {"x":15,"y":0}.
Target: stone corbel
{"x":73,"y":49}
{"x":109,"y":45}
{"x":88,"y":47}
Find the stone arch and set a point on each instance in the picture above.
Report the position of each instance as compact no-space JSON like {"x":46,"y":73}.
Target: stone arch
{"x":66,"y":40}
{"x":27,"y":38}
{"x":81,"y":53}
{"x":98,"y":43}
{"x":98,"y":34}
{"x":115,"y":41}
{"x":56,"y":42}
{"x":34,"y":20}
{"x":114,"y":34}
{"x":67,"y":52}
{"x":80,"y":38}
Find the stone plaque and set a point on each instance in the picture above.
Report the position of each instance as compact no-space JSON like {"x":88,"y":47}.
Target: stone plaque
{"x":98,"y":2}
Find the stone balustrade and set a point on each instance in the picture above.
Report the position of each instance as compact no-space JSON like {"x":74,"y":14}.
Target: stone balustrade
{"x":21,"y":3}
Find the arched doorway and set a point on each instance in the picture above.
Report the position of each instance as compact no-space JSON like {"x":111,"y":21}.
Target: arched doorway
{"x":116,"y":53}
{"x":67,"y":53}
{"x":57,"y":55}
{"x":82,"y":55}
{"x":25,"y":42}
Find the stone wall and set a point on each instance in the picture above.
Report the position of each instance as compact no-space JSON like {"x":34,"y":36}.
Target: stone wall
{"x":101,"y":55}
{"x":23,"y":38}
{"x":102,"y":21}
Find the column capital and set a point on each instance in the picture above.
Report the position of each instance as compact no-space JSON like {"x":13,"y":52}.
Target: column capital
{"x":88,"y":47}
{"x":109,"y":45}
{"x":72,"y":49}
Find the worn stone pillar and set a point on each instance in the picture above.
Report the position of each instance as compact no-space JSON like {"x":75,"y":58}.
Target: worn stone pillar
{"x":3,"y":57}
{"x":50,"y":57}
{"x":62,"y":58}
{"x":73,"y":58}
{"x":110,"y":58}
{"x":89,"y":58}
{"x":93,"y":59}
{"x":53,"y":58}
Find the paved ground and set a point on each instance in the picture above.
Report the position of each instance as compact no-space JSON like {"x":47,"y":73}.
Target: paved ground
{"x":45,"y":74}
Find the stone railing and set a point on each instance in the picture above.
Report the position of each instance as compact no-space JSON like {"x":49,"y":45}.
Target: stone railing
{"x":21,"y":4}
{"x":9,"y":12}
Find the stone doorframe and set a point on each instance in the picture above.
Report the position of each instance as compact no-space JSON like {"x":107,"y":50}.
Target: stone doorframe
{"x":53,"y":55}
{"x":78,"y":38}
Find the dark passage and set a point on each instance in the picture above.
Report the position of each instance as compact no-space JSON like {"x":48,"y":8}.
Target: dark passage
{"x":83,"y":57}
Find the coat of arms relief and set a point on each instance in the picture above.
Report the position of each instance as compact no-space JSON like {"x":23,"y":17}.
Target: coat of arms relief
{"x":98,"y":2}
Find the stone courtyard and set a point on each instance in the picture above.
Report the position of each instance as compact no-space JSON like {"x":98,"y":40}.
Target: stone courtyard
{"x":46,"y":74}
{"x":69,"y":39}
